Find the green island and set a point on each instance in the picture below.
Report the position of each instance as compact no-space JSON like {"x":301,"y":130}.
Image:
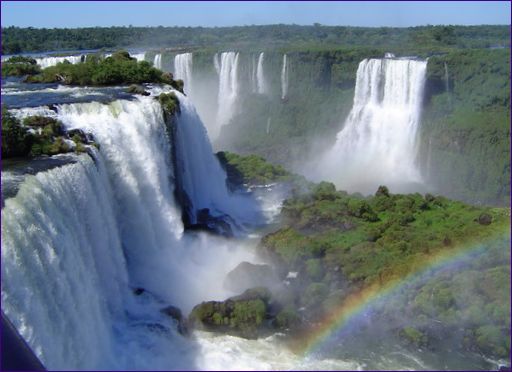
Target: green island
{"x":96,"y":70}
{"x":339,"y":245}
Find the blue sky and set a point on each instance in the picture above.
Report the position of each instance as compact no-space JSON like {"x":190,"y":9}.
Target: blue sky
{"x":142,"y":13}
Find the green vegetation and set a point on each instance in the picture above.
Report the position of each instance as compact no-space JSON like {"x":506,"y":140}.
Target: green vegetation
{"x":253,"y":170}
{"x":117,"y":69}
{"x":17,"y":40}
{"x":20,"y":66}
{"x":170,"y":104}
{"x":242,"y":315}
{"x":341,"y":244}
{"x":37,"y":135}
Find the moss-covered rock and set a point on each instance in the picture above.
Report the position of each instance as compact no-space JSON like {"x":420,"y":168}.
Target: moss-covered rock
{"x":243,"y":316}
{"x":170,"y":104}
{"x":137,"y":89}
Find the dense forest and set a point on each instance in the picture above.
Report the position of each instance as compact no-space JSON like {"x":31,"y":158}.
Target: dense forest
{"x":23,"y":40}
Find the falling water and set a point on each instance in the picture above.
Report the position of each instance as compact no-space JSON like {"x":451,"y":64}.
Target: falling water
{"x":216,"y":63}
{"x":284,"y":78}
{"x":260,"y":78}
{"x":45,"y":62}
{"x":377,"y":144}
{"x":139,"y":56}
{"x":157,"y":62}
{"x":228,"y":90}
{"x":183,"y":69}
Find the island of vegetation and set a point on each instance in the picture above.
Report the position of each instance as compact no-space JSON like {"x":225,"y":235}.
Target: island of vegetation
{"x":96,"y":70}
{"x":331,"y":245}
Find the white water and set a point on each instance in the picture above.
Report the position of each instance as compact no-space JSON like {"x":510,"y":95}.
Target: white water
{"x":228,"y":91}
{"x":76,"y":239}
{"x":45,"y":62}
{"x":284,"y":78}
{"x":216,"y":63}
{"x":260,"y":78}
{"x":202,"y":176}
{"x":377,"y":145}
{"x":139,"y":56}
{"x":157,"y":62}
{"x":183,"y":69}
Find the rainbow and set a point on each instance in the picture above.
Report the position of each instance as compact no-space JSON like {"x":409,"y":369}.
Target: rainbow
{"x":347,"y":314}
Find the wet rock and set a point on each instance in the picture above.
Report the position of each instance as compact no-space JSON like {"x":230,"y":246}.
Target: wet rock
{"x":176,"y":314}
{"x":485,"y":219}
{"x":244,"y":316}
{"x":137,"y":89}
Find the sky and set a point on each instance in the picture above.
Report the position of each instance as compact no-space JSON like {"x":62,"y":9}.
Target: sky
{"x":73,"y":14}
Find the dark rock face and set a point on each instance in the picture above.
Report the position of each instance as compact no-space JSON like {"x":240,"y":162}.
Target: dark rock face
{"x":247,"y":275}
{"x":175,"y":313}
{"x":485,"y":219}
{"x":215,"y":224}
{"x":243,"y":316}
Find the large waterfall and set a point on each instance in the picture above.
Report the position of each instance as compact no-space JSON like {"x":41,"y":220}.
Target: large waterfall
{"x":77,"y":238}
{"x":377,"y":144}
{"x":284,"y":78}
{"x":228,"y":90}
{"x":183,"y":69}
{"x":260,"y":78}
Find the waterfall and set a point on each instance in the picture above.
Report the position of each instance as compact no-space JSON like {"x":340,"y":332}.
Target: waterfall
{"x":216,"y":63}
{"x":183,"y":69}
{"x":254,"y":66}
{"x":201,"y":174}
{"x":139,"y":56}
{"x":45,"y":62}
{"x":268,"y":126}
{"x":262,"y":88}
{"x":77,"y":238}
{"x":157,"y":62}
{"x":63,"y":270}
{"x":284,"y":78}
{"x":228,"y":90}
{"x":377,"y":144}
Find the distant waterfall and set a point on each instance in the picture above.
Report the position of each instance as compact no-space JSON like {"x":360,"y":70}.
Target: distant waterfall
{"x":446,"y":78}
{"x":139,"y":56}
{"x":377,"y":144}
{"x":216,"y":63}
{"x":183,"y":69}
{"x":260,"y":78}
{"x":45,"y":62}
{"x":253,"y":76}
{"x":228,"y":90}
{"x":157,"y":62}
{"x":284,"y":78}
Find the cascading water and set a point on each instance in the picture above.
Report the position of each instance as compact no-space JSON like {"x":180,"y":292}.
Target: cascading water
{"x":202,"y":177}
{"x":183,"y":69}
{"x":377,"y":144}
{"x":228,"y":90}
{"x":139,"y":56}
{"x":157,"y":61}
{"x":284,"y":78}
{"x":260,"y":78}
{"x":63,"y":270}
{"x":77,"y":238}
{"x":216,"y":63}
{"x":45,"y":62}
